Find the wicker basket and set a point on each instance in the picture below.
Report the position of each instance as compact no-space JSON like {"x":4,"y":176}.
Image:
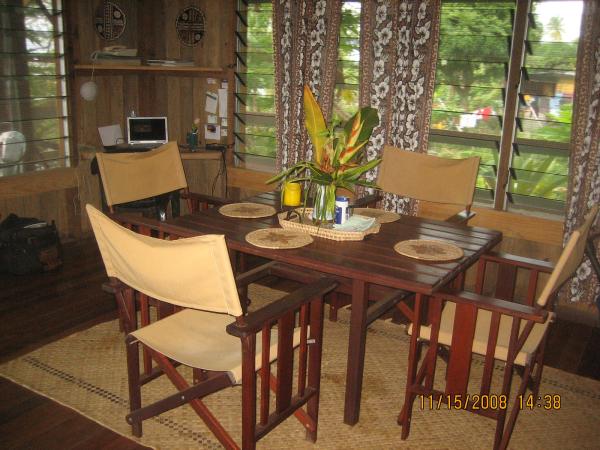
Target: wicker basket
{"x":324,"y":231}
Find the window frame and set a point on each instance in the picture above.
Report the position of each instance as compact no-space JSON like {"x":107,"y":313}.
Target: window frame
{"x":60,"y":94}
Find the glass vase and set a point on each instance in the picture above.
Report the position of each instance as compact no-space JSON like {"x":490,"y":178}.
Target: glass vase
{"x":324,"y":202}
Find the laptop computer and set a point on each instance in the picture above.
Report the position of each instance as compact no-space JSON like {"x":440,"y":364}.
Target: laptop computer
{"x":147,"y":132}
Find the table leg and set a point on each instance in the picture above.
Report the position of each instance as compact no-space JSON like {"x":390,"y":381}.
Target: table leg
{"x":356,"y":351}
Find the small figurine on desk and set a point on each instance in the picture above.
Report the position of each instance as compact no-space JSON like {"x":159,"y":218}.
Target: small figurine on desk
{"x":192,"y":138}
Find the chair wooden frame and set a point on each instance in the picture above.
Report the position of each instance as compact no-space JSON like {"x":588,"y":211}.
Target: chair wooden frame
{"x":524,"y":347}
{"x":162,"y":170}
{"x":267,"y":337}
{"x":306,"y":304}
{"x":425,"y":177}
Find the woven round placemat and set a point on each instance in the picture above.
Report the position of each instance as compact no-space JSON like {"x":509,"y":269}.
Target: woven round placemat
{"x":429,"y":250}
{"x":380,"y":215}
{"x":247,"y":210}
{"x":278,"y":238}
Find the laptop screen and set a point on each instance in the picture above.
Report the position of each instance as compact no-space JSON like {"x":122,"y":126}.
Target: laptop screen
{"x":147,"y":130}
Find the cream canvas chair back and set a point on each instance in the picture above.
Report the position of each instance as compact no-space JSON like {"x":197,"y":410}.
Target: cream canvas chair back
{"x":193,"y":273}
{"x":570,"y":258}
{"x":127,"y":177}
{"x":427,"y":177}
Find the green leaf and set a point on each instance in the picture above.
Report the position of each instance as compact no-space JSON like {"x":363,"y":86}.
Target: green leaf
{"x":315,"y":124}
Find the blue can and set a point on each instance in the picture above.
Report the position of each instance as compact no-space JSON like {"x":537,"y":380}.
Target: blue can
{"x":341,"y":210}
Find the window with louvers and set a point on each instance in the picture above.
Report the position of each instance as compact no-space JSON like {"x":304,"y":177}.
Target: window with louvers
{"x":33,"y":97}
{"x":524,"y":162}
{"x":254,"y":90}
{"x":255,"y":109}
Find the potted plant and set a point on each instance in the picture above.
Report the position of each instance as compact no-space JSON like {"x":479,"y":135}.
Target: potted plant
{"x":337,"y":157}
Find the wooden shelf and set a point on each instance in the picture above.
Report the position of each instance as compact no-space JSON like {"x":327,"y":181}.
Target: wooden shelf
{"x":201,"y":154}
{"x":216,"y":71}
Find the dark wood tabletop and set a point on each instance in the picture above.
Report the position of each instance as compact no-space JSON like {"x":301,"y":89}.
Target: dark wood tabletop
{"x":370,"y":261}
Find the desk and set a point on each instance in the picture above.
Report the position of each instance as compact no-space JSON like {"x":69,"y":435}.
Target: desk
{"x":364,"y":263}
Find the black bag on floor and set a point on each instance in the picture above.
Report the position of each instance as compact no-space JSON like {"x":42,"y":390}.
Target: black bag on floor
{"x":28,"y":245}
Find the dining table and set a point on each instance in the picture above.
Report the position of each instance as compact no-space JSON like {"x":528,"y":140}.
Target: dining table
{"x":365,"y":264}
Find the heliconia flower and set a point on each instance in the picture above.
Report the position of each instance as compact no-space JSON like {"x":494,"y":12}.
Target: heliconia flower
{"x":355,"y":131}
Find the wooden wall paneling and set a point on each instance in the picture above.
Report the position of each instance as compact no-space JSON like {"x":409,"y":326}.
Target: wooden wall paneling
{"x":174,"y":107}
{"x":131,"y":97}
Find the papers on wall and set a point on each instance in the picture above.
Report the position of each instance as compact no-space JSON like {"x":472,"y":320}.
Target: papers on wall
{"x":111,"y":135}
{"x":211,"y":102}
{"x":223,"y":102}
{"x":212,"y":118}
{"x":212,"y":132}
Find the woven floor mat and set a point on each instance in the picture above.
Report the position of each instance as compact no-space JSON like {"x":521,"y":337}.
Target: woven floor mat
{"x":86,"y":371}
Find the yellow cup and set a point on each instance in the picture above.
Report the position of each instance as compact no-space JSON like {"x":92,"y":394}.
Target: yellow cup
{"x":292,"y":194}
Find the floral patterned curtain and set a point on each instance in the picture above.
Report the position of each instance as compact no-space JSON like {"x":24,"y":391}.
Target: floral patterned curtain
{"x":584,"y":185}
{"x":305,"y":37}
{"x":399,"y":45}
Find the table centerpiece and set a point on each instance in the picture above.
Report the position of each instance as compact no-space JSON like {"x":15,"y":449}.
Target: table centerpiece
{"x":338,"y":161}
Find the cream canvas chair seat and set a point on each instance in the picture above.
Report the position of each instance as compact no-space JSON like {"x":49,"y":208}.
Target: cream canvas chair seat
{"x":212,"y":333}
{"x":177,"y":337}
{"x":481,"y":337}
{"x":496,"y":328}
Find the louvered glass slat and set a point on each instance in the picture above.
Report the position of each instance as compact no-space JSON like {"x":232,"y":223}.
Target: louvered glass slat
{"x":257,"y":83}
{"x":465,"y":122}
{"x":260,"y":42}
{"x":39,"y":130}
{"x":345,"y":101}
{"x":552,"y":55}
{"x":348,"y":49}
{"x":544,"y":130}
{"x":347,"y":72}
{"x":31,"y":109}
{"x":34,"y":86}
{"x":257,"y":62}
{"x":488,"y":100}
{"x":253,"y":144}
{"x":471,"y":73}
{"x":463,"y":17}
{"x":41,"y":154}
{"x":485,"y":48}
{"x":538,"y":184}
{"x":541,"y":160}
{"x":526,"y":203}
{"x":256,"y":103}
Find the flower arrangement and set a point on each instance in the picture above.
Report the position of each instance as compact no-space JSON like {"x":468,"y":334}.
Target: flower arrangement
{"x":337,"y":156}
{"x":195,"y":125}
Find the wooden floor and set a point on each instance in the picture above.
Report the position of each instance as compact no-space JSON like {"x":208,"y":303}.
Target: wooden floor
{"x":35,"y":310}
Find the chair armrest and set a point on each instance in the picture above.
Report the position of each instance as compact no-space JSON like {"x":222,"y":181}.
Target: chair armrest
{"x":255,"y":274}
{"x":462,"y":217}
{"x":114,"y":286}
{"x":496,"y":305}
{"x":255,"y":321}
{"x":367,"y":201}
{"x":519,"y":261}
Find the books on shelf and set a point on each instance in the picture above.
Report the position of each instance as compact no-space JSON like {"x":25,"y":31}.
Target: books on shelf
{"x":126,"y":61}
{"x":170,"y":62}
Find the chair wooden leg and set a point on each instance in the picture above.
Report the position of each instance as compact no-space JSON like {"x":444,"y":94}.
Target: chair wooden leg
{"x":536,"y":377}
{"x":413,"y":359}
{"x":133,"y":371}
{"x":501,"y":417}
{"x":507,"y":432}
{"x":314,"y":367}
